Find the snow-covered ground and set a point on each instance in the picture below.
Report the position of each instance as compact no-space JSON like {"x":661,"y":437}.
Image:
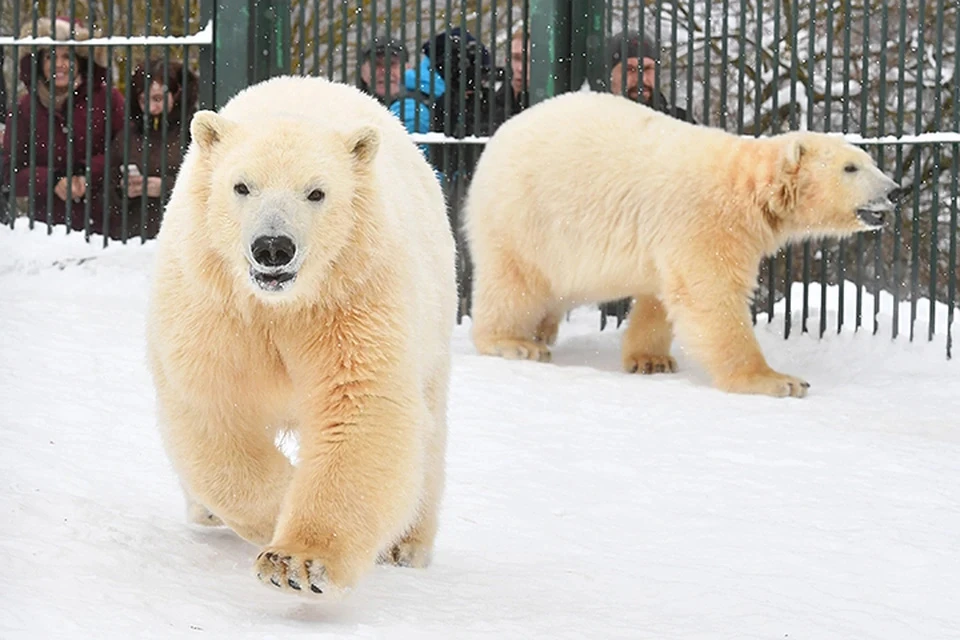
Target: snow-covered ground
{"x":582,"y":502}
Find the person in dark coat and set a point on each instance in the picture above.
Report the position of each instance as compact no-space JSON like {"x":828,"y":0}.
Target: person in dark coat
{"x":75,"y":179}
{"x":144,"y":191}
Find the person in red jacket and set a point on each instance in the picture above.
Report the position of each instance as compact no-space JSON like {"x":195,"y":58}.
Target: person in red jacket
{"x":61,"y":161}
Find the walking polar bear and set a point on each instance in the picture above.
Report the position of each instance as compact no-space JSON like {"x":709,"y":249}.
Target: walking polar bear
{"x":305,"y":274}
{"x":588,"y":197}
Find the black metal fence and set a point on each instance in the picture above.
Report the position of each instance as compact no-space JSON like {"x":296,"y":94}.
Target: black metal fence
{"x":882,"y":74}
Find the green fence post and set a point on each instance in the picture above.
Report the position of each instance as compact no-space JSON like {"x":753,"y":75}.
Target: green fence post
{"x":550,"y":48}
{"x":587,"y":45}
{"x":271,"y":19}
{"x":251,"y":42}
{"x":206,"y":56}
{"x":232,"y":49}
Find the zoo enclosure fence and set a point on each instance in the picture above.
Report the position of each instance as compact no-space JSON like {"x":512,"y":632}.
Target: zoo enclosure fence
{"x":884,"y":75}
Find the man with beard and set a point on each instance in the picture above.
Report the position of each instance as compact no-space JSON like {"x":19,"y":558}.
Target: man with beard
{"x":639,"y":56}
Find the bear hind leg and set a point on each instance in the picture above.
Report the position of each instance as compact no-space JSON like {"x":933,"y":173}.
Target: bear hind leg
{"x":647,"y":338}
{"x":199,"y":514}
{"x":510,"y":316}
{"x":415,"y":548}
{"x":230,"y":469}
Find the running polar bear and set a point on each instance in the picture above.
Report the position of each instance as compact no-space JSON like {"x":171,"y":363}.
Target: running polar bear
{"x":305,"y":273}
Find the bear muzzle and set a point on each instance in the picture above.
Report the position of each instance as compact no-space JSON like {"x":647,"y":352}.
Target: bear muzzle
{"x":272,"y":267}
{"x":873,"y":213}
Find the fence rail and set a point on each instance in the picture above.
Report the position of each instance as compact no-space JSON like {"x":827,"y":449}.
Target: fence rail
{"x":882,"y":75}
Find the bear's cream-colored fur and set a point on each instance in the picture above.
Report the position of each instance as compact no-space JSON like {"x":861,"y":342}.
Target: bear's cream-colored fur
{"x":588,"y":197}
{"x":305,"y":276}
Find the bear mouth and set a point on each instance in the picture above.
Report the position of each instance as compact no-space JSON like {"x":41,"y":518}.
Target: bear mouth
{"x":874,"y":212}
{"x":273,"y":282}
{"x":871,"y":218}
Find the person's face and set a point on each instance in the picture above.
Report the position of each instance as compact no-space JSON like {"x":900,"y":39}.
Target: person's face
{"x":156,"y":97}
{"x":516,"y":63}
{"x":640,"y":77}
{"x":384,"y":66}
{"x":58,"y":65}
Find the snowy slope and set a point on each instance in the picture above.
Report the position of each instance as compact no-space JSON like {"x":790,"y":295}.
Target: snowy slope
{"x":581,"y":502}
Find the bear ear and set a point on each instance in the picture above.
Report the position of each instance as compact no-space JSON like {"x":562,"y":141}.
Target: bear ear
{"x":209,"y":129}
{"x":363,"y":145}
{"x":792,"y":155}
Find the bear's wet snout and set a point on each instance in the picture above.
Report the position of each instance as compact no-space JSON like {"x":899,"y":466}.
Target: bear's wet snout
{"x":273,"y":251}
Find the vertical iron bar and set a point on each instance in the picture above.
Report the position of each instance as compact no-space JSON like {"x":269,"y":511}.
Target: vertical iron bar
{"x":828,"y":126}
{"x":724,"y":63}
{"x":32,"y":161}
{"x":707,"y":46}
{"x":811,"y":74}
{"x":878,"y":261}
{"x":758,"y":130}
{"x":935,"y":181}
{"x":88,"y":150}
{"x":865,"y":57}
{"x":952,"y":265}
{"x":302,"y":32}
{"x":145,"y":121}
{"x":50,"y":124}
{"x":344,"y":39}
{"x":15,"y":151}
{"x":917,"y":172}
{"x":775,"y":129}
{"x":794,"y":119}
{"x":898,"y":221}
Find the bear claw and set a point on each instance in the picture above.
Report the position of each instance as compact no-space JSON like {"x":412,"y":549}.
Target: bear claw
{"x":290,"y":572}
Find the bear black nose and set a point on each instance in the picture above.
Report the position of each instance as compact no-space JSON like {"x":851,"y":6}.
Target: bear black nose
{"x":273,"y":251}
{"x":896,"y":194}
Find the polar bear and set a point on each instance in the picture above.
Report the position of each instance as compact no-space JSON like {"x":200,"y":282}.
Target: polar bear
{"x":588,"y":197}
{"x":305,"y":274}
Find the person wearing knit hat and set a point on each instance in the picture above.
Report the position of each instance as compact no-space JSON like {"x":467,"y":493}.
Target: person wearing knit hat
{"x":633,"y":59}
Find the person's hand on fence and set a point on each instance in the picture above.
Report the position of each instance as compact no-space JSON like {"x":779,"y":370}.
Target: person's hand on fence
{"x":61,"y":188}
{"x":134,"y":186}
{"x":153,"y":187}
{"x":79,"y":188}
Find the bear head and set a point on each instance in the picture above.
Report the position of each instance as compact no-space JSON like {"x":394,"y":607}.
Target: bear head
{"x":283,"y":198}
{"x":825,"y":186}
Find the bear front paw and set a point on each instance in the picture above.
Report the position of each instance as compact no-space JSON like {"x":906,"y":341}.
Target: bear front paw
{"x":647,"y":364}
{"x":292,"y":572}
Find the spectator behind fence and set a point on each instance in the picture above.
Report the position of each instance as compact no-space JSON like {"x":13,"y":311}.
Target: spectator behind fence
{"x":387,"y":58}
{"x":513,"y":97}
{"x":166,"y":92}
{"x":640,"y":63}
{"x":69,"y":145}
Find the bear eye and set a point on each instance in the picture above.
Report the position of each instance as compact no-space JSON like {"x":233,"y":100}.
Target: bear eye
{"x":851,"y":168}
{"x":316,"y":195}
{"x":241,"y":189}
